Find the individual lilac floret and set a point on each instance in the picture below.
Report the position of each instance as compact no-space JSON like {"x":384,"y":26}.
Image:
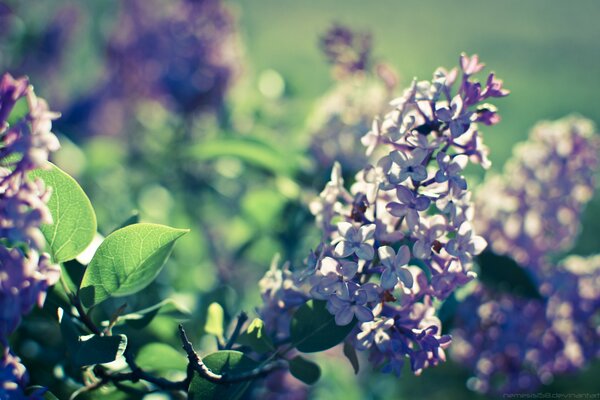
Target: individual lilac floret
{"x":395,"y":267}
{"x":465,"y":245}
{"x":533,"y":209}
{"x":354,"y":240}
{"x":335,"y":279}
{"x":356,"y":269}
{"x":355,"y":304}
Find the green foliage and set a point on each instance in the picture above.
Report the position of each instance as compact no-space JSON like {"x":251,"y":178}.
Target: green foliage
{"x":141,"y":318}
{"x":350,"y":353}
{"x":215,"y":317}
{"x":252,"y":151}
{"x":305,"y":370}
{"x":127,"y":261}
{"x":226,"y":361}
{"x":90,"y":349}
{"x":31,"y":390}
{"x":503,"y":273}
{"x":256,"y":338}
{"x":160,"y":357}
{"x":314,"y":329}
{"x":74,"y":219}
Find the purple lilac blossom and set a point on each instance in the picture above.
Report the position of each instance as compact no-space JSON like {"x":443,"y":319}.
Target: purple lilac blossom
{"x":26,"y":271}
{"x":533,"y":209}
{"x":342,"y":116}
{"x":13,"y":379}
{"x":531,"y":213}
{"x":363,"y":267}
{"x":182,"y":55}
{"x":516,"y":344}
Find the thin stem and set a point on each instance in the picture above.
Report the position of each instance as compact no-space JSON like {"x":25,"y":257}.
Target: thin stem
{"x":196,"y":363}
{"x":242,"y":318}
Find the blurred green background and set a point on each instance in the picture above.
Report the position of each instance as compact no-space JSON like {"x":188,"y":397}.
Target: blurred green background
{"x":547,"y":53}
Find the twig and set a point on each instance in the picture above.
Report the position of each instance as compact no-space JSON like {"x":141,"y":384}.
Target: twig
{"x":196,"y":363}
{"x":242,"y":318}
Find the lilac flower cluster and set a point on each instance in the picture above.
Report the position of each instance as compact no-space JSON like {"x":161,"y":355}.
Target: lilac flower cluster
{"x":180,"y":54}
{"x":344,"y":113}
{"x":516,"y":344}
{"x":25,"y":271}
{"x":188,"y":76}
{"x":402,"y":236}
{"x":13,"y":378}
{"x":533,"y":209}
{"x":529,"y":214}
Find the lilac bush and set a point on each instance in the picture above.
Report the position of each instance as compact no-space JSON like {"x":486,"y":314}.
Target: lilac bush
{"x":401,"y":237}
{"x":531,"y":214}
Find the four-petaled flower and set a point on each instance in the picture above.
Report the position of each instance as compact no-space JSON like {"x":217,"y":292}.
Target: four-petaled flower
{"x":456,"y":116}
{"x":450,"y":169}
{"x":355,"y":305}
{"x":409,"y":204}
{"x":395,"y":267}
{"x":354,"y":240}
{"x":465,"y":245}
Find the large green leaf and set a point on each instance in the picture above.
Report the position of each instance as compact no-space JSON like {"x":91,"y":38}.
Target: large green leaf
{"x":305,"y":370}
{"x":314,"y":329}
{"x":74,"y":220}
{"x":127,"y":261}
{"x":90,"y":349}
{"x":225,"y":361}
{"x":94,"y":349}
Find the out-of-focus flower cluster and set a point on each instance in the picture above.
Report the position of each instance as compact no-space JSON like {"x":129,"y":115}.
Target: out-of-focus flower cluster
{"x":402,"y":236}
{"x":533,"y":210}
{"x":513,"y":343}
{"x":13,"y":378}
{"x":183,"y":54}
{"x":345,"y":113}
{"x":26,"y":271}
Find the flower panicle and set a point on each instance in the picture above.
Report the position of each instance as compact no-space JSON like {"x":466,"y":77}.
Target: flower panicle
{"x":402,"y":237}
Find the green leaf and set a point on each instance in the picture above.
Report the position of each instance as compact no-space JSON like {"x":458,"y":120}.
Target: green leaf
{"x":252,"y":150}
{"x":134,"y":218}
{"x":214,"y":320}
{"x":503,"y":273}
{"x":160,"y":357}
{"x":74,"y":220}
{"x":225,"y":361}
{"x":314,"y":329}
{"x":141,"y":318}
{"x":94,"y":349}
{"x":90,"y":349}
{"x":350,"y":353}
{"x":256,"y":338}
{"x":35,"y":391}
{"x":305,"y":370}
{"x":127,"y":261}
